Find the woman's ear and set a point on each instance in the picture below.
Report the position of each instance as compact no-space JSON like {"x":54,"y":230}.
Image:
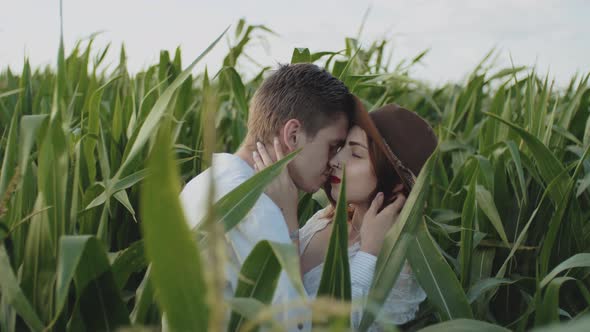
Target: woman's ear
{"x":290,"y":134}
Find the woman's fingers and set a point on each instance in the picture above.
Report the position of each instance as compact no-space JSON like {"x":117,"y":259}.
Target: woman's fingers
{"x":278,"y":149}
{"x":262,"y":158}
{"x":396,"y":206}
{"x":264,"y":154}
{"x":399,"y":202}
{"x":258,"y":163}
{"x":399,"y":188}
{"x":377,"y":202}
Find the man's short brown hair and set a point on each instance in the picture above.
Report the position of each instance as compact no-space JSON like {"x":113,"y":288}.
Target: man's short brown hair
{"x":301,"y":91}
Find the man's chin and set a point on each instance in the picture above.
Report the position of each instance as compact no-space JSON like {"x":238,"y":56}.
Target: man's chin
{"x":312,"y":190}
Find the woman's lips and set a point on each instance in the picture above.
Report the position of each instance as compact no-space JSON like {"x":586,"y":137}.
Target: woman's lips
{"x":334,"y":179}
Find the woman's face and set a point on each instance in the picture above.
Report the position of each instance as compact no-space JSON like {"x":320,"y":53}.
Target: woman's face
{"x":361,"y":180}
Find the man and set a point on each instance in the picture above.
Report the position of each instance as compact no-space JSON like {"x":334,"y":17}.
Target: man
{"x":305,"y":107}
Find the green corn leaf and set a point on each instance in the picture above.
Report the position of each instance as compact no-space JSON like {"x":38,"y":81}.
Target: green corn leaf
{"x":128,"y":261}
{"x":581,"y":324}
{"x":144,"y":300}
{"x":300,"y":55}
{"x":12,"y":294}
{"x":549,"y":166}
{"x":515,"y":153}
{"x":260,"y":273}
{"x":558,"y":216}
{"x":464,"y":325}
{"x":437,"y":278}
{"x":485,"y":202}
{"x":578,"y":260}
{"x":467,"y":230}
{"x":335,"y":280}
{"x":548,"y":311}
{"x":177,"y":273}
{"x":38,"y":268}
{"x":84,"y":260}
{"x":9,"y":157}
{"x":484,"y":285}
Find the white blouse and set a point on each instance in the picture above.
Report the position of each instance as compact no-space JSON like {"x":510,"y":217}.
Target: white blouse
{"x":404,"y":299}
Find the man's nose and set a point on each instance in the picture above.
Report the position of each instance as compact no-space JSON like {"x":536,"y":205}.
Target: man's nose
{"x":333,"y":162}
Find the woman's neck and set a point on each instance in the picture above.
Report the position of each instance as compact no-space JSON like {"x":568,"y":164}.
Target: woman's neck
{"x":357,"y":220}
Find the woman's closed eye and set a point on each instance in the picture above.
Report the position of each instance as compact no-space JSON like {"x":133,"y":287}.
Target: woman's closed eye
{"x":357,"y":152}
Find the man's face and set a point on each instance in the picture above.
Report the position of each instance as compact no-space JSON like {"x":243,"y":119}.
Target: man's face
{"x":311,"y":169}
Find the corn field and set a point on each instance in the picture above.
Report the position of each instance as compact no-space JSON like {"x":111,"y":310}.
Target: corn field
{"x":93,"y":238}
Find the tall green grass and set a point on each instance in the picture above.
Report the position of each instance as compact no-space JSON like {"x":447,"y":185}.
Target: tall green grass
{"x":499,"y":240}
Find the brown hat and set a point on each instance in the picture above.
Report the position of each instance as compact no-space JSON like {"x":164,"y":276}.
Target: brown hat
{"x":405,"y":138}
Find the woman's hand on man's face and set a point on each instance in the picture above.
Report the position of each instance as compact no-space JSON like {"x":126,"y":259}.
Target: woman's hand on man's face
{"x":376,"y":224}
{"x":281,"y":190}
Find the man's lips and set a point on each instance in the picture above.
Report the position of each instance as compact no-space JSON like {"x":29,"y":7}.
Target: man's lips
{"x":334,"y":179}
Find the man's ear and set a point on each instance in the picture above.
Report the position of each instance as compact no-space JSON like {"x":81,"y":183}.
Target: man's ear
{"x":291,"y":134}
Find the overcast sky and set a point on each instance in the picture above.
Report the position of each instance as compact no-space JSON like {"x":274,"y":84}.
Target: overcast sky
{"x":554,"y":35}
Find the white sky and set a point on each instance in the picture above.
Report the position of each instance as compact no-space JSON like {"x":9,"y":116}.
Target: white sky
{"x":554,"y":35}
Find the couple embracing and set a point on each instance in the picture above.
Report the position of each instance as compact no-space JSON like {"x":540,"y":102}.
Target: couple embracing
{"x":302,"y":106}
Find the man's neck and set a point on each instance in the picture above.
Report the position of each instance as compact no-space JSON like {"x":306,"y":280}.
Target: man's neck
{"x":245,"y":154}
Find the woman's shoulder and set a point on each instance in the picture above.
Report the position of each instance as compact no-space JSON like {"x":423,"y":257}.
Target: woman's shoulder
{"x":316,"y":223}
{"x":321,"y":217}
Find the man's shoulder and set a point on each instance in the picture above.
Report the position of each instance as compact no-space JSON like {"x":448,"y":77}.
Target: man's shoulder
{"x":228,"y":172}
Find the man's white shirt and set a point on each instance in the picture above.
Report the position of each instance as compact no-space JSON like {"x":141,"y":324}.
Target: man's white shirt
{"x":264,"y":222}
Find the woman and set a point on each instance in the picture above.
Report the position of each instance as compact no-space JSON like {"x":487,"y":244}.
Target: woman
{"x":383,"y":152}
